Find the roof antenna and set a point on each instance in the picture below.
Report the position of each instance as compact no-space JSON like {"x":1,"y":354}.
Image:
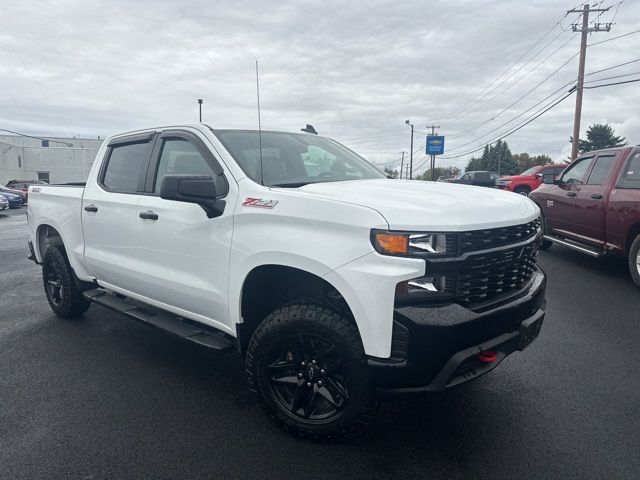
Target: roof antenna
{"x":259,"y":124}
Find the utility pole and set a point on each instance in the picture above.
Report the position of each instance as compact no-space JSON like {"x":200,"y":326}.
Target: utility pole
{"x":200,"y":108}
{"x":433,"y":157}
{"x":401,"y":164}
{"x":584,"y":30}
{"x":408,"y":122}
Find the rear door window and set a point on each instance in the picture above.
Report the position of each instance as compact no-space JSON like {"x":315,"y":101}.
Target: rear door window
{"x":631,"y":172}
{"x":125,"y":167}
{"x":600,"y":171}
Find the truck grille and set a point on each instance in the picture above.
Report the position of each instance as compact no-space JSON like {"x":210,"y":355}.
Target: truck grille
{"x":486,"y":276}
{"x":497,"y":237}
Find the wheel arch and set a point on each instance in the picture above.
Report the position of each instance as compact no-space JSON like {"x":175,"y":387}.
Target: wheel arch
{"x":268,"y":286}
{"x":46,"y":237}
{"x":634,"y":231}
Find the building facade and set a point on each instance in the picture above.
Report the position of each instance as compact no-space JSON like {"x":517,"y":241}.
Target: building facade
{"x":52,"y":159}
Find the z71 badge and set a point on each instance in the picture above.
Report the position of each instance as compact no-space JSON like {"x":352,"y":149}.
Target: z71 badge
{"x":259,"y":203}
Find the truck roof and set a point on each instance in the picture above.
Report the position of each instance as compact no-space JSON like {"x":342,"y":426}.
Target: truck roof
{"x":202,"y":127}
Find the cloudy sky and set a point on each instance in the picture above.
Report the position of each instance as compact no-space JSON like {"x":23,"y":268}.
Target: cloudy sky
{"x":355,"y":70}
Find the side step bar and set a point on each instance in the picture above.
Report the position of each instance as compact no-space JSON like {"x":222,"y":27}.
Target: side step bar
{"x":568,"y":243}
{"x":160,"y":319}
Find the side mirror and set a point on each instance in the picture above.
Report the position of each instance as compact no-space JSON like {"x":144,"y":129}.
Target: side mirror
{"x":549,"y":179}
{"x":539,"y":175}
{"x":200,"y":189}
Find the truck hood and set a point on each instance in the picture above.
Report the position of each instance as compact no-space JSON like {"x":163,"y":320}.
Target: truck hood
{"x":435,"y":206}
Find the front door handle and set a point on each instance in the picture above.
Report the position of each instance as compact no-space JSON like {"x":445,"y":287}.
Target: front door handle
{"x":148,"y":215}
{"x":571,"y":194}
{"x":91,"y":208}
{"x":596,"y":196}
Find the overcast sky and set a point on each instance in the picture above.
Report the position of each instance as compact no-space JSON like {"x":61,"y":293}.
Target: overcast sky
{"x":355,"y":70}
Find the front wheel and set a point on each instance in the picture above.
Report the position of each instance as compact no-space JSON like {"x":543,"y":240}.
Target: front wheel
{"x":64,"y":297}
{"x":307,"y":364}
{"x":634,"y":260}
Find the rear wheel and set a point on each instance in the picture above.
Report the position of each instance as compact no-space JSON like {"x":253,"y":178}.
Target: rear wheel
{"x":64,"y":297}
{"x":308,"y":366}
{"x":634,"y":260}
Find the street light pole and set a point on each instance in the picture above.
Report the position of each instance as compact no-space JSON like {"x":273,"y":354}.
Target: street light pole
{"x":200,"y":108}
{"x":408,"y":122}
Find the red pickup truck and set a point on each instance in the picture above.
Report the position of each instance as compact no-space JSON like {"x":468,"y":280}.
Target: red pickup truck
{"x":594,"y":206}
{"x":530,"y":179}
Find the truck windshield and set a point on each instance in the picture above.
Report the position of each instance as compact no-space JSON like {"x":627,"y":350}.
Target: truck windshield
{"x":294,"y":159}
{"x":531,"y":171}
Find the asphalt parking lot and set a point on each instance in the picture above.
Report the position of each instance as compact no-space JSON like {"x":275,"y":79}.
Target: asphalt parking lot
{"x":106,"y":397}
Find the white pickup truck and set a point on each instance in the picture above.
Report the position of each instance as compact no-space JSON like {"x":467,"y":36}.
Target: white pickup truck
{"x":339,"y":286}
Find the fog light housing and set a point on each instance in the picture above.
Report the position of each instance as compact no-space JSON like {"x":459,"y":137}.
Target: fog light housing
{"x":428,"y":287}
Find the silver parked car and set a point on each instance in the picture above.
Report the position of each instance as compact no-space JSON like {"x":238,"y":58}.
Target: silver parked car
{"x":4,"y":203}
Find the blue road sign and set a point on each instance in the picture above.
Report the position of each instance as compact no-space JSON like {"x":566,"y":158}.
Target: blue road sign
{"x":435,"y":145}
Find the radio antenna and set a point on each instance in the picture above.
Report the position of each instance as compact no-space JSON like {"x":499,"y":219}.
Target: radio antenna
{"x":259,"y":123}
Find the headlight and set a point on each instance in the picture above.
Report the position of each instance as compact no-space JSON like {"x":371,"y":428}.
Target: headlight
{"x":413,"y":243}
{"x":429,"y":287}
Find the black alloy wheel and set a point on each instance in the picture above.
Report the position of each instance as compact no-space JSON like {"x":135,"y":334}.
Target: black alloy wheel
{"x":60,"y":287}
{"x":53,"y":284}
{"x":307,"y":364}
{"x":309,"y":377}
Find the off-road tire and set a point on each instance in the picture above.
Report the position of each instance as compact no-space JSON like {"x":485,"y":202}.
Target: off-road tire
{"x":634,"y":259}
{"x":70,"y":302}
{"x":313,"y":319}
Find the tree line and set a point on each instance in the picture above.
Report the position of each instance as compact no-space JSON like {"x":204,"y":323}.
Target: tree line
{"x":498,"y":157}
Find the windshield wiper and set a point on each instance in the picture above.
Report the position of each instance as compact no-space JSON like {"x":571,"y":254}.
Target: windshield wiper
{"x":291,"y":185}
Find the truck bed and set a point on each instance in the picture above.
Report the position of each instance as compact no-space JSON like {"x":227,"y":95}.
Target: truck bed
{"x":58,"y":207}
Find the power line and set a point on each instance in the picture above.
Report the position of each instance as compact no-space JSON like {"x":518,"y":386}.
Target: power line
{"x":512,"y":119}
{"x":521,"y":98}
{"x":614,"y":66}
{"x":614,"y":83}
{"x":511,"y":132}
{"x":612,"y":77}
{"x":527,"y":94}
{"x":455,"y":112}
{"x":488,"y":100}
{"x":37,"y":138}
{"x":614,"y":38}
{"x":554,"y":93}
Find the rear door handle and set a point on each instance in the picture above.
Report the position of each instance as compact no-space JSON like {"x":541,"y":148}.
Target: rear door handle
{"x":148,"y":215}
{"x":91,"y":208}
{"x":571,"y":194}
{"x":596,"y":196}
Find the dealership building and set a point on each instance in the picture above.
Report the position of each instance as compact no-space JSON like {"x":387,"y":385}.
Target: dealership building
{"x":52,"y":159}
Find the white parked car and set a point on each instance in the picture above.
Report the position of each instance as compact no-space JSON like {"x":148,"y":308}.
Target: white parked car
{"x":4,"y":203}
{"x":339,"y":286}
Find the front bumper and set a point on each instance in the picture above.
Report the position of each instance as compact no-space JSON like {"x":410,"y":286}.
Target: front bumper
{"x":437,"y":347}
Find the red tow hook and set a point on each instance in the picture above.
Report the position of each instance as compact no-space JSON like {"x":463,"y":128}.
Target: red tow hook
{"x":487,"y":357}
